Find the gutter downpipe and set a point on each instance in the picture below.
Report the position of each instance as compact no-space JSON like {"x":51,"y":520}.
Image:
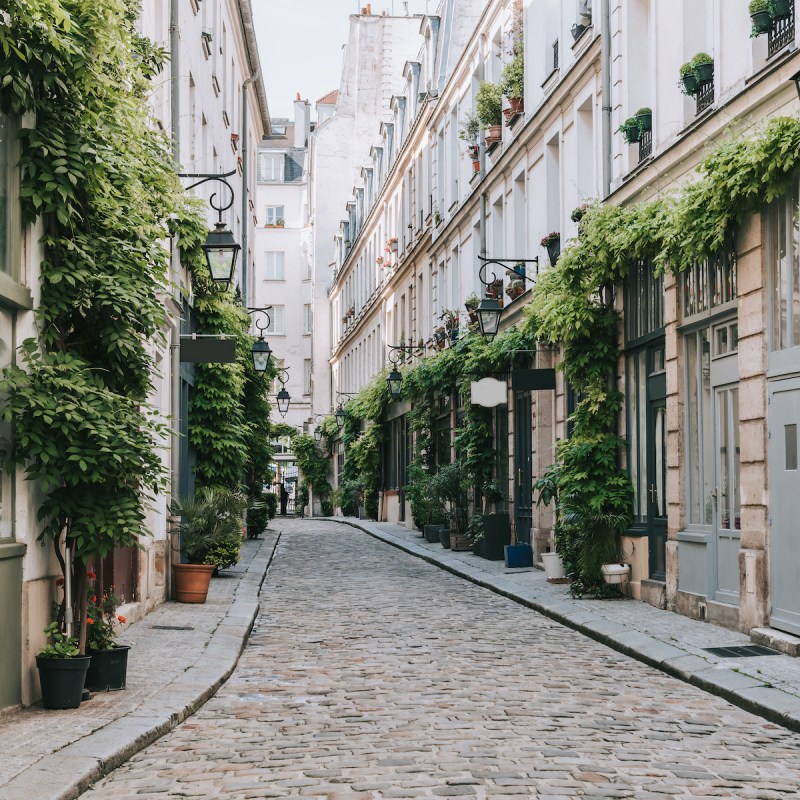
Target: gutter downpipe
{"x":605,"y":67}
{"x":175,"y":346}
{"x":245,"y":186}
{"x":482,"y":150}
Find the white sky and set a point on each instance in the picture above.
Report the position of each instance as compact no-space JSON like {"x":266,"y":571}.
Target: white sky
{"x":300,"y":44}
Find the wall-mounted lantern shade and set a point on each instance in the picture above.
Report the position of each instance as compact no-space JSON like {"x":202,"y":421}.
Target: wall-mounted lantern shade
{"x":221,"y":250}
{"x":395,"y":381}
{"x":262,"y":355}
{"x":489,"y":312}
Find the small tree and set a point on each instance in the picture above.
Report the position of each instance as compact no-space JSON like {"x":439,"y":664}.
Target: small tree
{"x":489,"y":104}
{"x":512,"y":79}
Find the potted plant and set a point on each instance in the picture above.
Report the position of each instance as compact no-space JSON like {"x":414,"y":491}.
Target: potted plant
{"x":471,"y":304}
{"x":109,"y":664}
{"x":688,"y":79}
{"x":631,"y":130}
{"x":552,"y":243}
{"x":577,"y":213}
{"x":489,"y":108}
{"x":437,"y":217}
{"x":391,"y":245}
{"x":780,"y":8}
{"x":439,"y":337}
{"x":760,"y":17}
{"x":279,"y":222}
{"x":703,"y":65}
{"x":62,"y":669}
{"x":494,"y":289}
{"x":427,"y":510}
{"x":495,"y":525}
{"x":512,"y":82}
{"x":546,"y":487}
{"x":515,"y":288}
{"x":644,"y":116}
{"x":451,"y":484}
{"x":469,"y":131}
{"x":211,"y":532}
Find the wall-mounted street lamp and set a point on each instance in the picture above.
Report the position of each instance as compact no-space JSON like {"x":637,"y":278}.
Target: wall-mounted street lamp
{"x":283,"y":397}
{"x":489,"y":309}
{"x":395,"y":378}
{"x":796,"y":81}
{"x":220,"y":247}
{"x":261,"y":351}
{"x":340,"y":414}
{"x":318,"y":429}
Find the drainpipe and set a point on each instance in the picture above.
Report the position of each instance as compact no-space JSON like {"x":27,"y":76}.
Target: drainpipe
{"x":175,"y":76}
{"x":482,"y":148}
{"x":605,"y":67}
{"x":245,"y":186}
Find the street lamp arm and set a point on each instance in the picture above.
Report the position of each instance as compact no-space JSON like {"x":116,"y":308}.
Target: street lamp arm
{"x":503,"y":263}
{"x":206,"y":177}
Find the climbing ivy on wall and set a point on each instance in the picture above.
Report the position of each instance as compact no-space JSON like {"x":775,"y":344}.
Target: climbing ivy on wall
{"x":100,"y":177}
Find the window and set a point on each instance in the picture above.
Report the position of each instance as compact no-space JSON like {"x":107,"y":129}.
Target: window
{"x":699,"y":440}
{"x":273,"y":265}
{"x":270,"y":166}
{"x":644,"y":301}
{"x":277,"y":324}
{"x":710,"y":285}
{"x":275,"y":215}
{"x":9,"y":224}
{"x":784,"y":269}
{"x":307,"y":318}
{"x":306,"y":376}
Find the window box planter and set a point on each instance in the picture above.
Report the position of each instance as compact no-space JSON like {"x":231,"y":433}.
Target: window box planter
{"x":515,"y":290}
{"x":644,"y":116}
{"x":703,"y":66}
{"x":577,"y":31}
{"x":689,"y":84}
{"x":762,"y":22}
{"x":630,"y":130}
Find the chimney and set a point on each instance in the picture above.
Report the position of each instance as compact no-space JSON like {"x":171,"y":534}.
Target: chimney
{"x":302,"y":122}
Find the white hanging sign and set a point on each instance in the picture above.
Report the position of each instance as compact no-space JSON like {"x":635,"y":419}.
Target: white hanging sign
{"x":488,"y":392}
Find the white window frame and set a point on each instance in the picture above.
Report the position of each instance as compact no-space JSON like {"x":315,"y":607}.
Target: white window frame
{"x":274,"y":265}
{"x":277,"y":321}
{"x":270,"y":167}
{"x":306,"y":376}
{"x":308,"y":319}
{"x":274,"y":213}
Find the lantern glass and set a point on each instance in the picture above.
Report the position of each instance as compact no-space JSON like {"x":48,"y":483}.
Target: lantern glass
{"x":340,"y":416}
{"x":262,"y":355}
{"x":221,"y":250}
{"x":282,"y":401}
{"x":395,"y":381}
{"x":489,"y":312}
{"x":318,"y":433}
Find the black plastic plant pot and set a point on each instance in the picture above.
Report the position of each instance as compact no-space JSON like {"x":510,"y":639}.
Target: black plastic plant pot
{"x":432,"y":532}
{"x":554,"y":251}
{"x":108,"y":670}
{"x":444,"y":537}
{"x":689,"y":83}
{"x":645,"y":121}
{"x":496,"y":535}
{"x":62,"y":680}
{"x":704,"y":73}
{"x":518,"y":556}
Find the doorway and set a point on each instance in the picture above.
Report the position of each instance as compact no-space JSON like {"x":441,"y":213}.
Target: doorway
{"x":523,"y":461}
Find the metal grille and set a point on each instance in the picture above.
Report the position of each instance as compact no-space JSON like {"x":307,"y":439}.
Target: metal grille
{"x":555,"y":54}
{"x":705,"y":95}
{"x":781,"y":33}
{"x":645,"y":145}
{"x":741,"y":651}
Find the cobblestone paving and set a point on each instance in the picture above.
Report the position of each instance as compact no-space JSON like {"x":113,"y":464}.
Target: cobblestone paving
{"x":372,"y":674}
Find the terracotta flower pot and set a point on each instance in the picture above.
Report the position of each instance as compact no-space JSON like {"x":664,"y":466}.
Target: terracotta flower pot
{"x":517,"y":104}
{"x":191,"y":582}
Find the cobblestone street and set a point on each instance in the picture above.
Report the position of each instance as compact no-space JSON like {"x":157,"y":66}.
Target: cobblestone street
{"x":371,"y":673}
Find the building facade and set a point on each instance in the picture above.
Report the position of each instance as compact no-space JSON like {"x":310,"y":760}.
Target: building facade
{"x":708,"y":370}
{"x":211,"y":102}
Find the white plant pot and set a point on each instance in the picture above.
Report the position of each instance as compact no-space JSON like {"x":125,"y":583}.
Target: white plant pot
{"x":553,"y":566}
{"x":616,"y":573}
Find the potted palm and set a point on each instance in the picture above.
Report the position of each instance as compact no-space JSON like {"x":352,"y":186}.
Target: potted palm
{"x":489,"y":108}
{"x":210,"y":528}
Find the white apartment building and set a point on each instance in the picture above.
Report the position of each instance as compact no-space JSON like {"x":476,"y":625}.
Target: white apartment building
{"x":710,"y":448}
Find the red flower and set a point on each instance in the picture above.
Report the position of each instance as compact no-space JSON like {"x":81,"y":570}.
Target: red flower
{"x":121,"y":619}
{"x":59,"y":581}
{"x":94,"y":598}
{"x":91,"y":575}
{"x":89,"y":621}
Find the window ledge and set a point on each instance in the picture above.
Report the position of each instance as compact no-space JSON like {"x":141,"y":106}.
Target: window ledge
{"x":11,"y":549}
{"x":14,"y":294}
{"x":551,"y":80}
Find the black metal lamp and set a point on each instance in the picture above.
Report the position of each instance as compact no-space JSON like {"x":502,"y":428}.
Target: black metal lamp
{"x":489,"y":310}
{"x":796,"y":81}
{"x":221,"y":250}
{"x":318,"y":434}
{"x":340,"y":415}
{"x":261,"y":351}
{"x":282,"y":400}
{"x":220,"y":247}
{"x":395,"y":381}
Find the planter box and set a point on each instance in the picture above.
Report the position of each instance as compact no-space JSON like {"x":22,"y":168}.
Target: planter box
{"x":518,"y":556}
{"x":460,"y":542}
{"x":496,"y":535}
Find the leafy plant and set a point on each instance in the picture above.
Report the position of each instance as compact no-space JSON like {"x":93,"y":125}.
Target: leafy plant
{"x":512,"y":78}
{"x":451,"y":484}
{"x":757,"y":5}
{"x":702,"y":58}
{"x":631,"y":130}
{"x":489,"y":104}
{"x":469,"y":129}
{"x":426,"y":506}
{"x":644,"y":111}
{"x":686,"y":69}
{"x":102,"y":619}
{"x":551,"y":238}
{"x":60,"y":645}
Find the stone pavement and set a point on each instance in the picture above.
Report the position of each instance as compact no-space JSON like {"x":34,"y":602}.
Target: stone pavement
{"x":766,"y":685}
{"x":372,"y":674}
{"x":181,"y":654}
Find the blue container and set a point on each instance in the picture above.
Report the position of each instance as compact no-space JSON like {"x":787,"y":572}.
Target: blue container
{"x":518,"y":556}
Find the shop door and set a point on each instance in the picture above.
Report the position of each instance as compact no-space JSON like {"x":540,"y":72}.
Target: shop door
{"x":784,"y":506}
{"x":726,"y":495}
{"x":523,"y":477}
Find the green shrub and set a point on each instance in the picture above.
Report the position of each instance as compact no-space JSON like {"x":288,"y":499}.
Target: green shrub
{"x":271,"y":501}
{"x":489,"y":104}
{"x":702,"y":58}
{"x":512,"y":79}
{"x":224,"y":552}
{"x":758,"y":5}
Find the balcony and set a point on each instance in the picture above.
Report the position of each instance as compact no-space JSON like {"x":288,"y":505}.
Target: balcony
{"x":781,"y":33}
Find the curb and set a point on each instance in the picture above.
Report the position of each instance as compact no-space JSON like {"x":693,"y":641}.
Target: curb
{"x":67,"y":773}
{"x":738,"y":688}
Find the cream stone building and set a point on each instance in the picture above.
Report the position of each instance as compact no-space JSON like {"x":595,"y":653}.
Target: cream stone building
{"x":710,"y":369}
